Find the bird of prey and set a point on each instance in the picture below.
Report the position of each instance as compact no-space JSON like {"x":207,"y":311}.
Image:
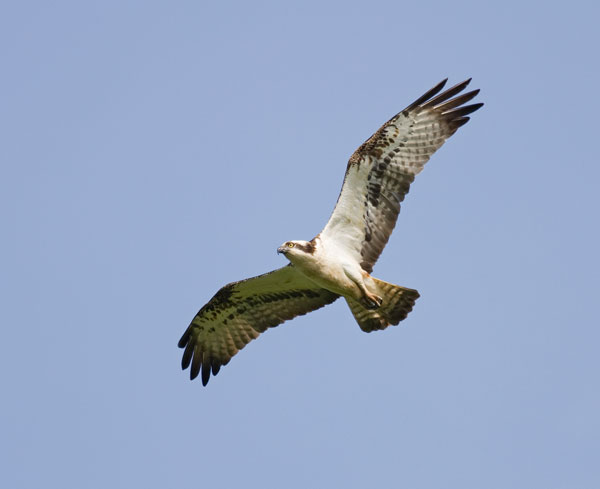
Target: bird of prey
{"x":339,"y":260}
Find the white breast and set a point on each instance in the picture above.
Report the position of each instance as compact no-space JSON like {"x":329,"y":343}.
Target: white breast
{"x":332,"y":267}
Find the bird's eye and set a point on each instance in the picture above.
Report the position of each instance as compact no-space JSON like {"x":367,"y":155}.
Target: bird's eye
{"x":290,"y":245}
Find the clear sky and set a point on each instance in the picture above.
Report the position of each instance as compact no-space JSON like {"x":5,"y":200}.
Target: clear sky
{"x":154,"y":151}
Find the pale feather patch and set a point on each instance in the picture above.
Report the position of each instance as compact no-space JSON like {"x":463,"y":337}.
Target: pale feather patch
{"x":381,"y":170}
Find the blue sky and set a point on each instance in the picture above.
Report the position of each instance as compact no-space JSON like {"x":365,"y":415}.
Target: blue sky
{"x":154,"y":151}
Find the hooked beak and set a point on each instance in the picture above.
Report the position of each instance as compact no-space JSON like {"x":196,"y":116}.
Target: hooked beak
{"x":282,"y":249}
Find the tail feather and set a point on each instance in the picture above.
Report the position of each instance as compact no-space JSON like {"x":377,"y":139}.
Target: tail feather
{"x":397,"y":303}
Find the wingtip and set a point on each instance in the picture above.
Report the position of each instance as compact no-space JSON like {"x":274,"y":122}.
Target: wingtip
{"x":426,"y":96}
{"x":462,"y":111}
{"x":195,"y":369}
{"x":185,"y":362}
{"x":205,"y":375}
{"x":459,"y":87}
{"x":444,"y":100}
{"x":183,"y":341}
{"x":439,"y":86}
{"x":459,"y":122}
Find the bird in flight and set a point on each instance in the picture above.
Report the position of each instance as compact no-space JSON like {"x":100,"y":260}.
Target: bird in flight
{"x":339,"y":260}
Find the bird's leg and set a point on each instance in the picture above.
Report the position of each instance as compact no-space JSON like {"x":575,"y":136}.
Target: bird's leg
{"x":369,"y":300}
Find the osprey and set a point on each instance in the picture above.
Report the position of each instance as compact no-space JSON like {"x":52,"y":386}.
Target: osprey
{"x":339,"y":260}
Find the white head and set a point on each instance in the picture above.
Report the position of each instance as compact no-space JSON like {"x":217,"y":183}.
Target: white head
{"x":297,"y":250}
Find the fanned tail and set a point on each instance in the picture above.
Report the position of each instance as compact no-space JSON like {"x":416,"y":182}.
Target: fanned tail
{"x":397,"y":303}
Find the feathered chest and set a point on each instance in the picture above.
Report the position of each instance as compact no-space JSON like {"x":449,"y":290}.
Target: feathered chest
{"x":328,"y":266}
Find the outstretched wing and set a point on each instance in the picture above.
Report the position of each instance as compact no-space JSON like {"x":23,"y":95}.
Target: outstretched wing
{"x":380,"y":172}
{"x":242,"y":310}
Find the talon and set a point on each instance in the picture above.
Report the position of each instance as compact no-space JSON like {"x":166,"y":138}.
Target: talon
{"x":372,"y":301}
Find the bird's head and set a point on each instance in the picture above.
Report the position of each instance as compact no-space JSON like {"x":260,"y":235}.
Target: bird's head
{"x":296,"y":249}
